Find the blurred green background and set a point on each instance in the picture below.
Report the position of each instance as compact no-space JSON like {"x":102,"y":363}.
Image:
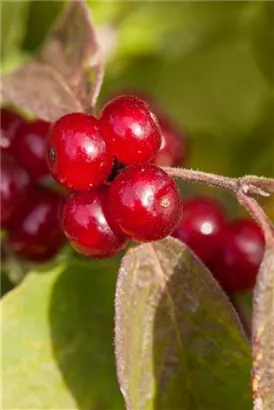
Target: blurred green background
{"x":210,"y":66}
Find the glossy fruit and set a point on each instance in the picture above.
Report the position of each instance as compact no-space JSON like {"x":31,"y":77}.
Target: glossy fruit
{"x":10,"y":121}
{"x":35,"y":233}
{"x":131,"y":130}
{"x":88,"y":225}
{"x":145,"y":202}
{"x":201,"y":226}
{"x":78,"y":156}
{"x":173,"y":150}
{"x":136,"y":92}
{"x":29,"y":148}
{"x":14,"y":186}
{"x":238,"y":261}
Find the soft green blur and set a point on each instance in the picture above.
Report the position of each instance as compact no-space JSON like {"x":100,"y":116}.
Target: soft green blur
{"x":210,"y":66}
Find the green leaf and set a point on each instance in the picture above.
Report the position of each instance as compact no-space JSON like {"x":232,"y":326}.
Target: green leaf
{"x":263,"y":331}
{"x":179,"y":343}
{"x":67,"y":74}
{"x":57,"y":339}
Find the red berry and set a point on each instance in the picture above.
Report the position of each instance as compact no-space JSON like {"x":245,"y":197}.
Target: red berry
{"x":132,"y":132}
{"x":14,"y":186}
{"x":141,"y":94}
{"x":201,"y":226}
{"x":173,"y":148}
{"x":242,"y":250}
{"x":145,"y":202}
{"x":35,"y":233}
{"x":29,"y":147}
{"x":88,"y":225}
{"x":78,"y":156}
{"x":10,"y":121}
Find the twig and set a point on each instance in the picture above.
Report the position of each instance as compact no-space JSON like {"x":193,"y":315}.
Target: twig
{"x":244,"y":188}
{"x":259,"y":215}
{"x":214,"y":180}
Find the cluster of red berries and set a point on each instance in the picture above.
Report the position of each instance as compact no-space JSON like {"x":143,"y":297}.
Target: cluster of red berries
{"x":232,"y":251}
{"x":111,"y":165}
{"x":118,"y":193}
{"x":29,"y":210}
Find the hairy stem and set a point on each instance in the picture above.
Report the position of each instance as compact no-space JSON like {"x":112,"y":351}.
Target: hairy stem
{"x":250,"y":184}
{"x":259,"y":215}
{"x":262,"y":184}
{"x":244,"y":188}
{"x":214,"y":180}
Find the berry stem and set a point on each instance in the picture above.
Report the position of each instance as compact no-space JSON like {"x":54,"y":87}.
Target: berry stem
{"x":243,"y":188}
{"x":259,"y":215}
{"x":264,"y":186}
{"x":213,"y":180}
{"x":250,"y":185}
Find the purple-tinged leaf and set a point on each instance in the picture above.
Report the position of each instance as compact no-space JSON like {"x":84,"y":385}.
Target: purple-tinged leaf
{"x":67,"y":73}
{"x":72,"y":49}
{"x":263,"y":335}
{"x":48,"y":100}
{"x":178,"y":341}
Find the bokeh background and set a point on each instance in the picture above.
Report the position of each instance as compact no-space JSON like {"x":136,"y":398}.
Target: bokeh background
{"x":210,"y":67}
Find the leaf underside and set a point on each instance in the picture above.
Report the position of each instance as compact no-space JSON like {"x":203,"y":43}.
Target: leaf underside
{"x":66,"y":75}
{"x":179,"y":344}
{"x":263,"y":335}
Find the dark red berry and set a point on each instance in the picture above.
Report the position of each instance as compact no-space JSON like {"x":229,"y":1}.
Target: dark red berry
{"x":78,"y":156}
{"x":201,"y":226}
{"x":89,"y":226}
{"x":131,"y":130}
{"x":136,"y":92}
{"x":15,"y":183}
{"x":236,"y":266}
{"x":173,"y":150}
{"x":29,"y":148}
{"x":10,"y":121}
{"x":35,"y":233}
{"x":145,"y":202}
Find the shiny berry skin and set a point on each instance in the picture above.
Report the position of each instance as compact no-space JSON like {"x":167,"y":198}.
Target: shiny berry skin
{"x":88,"y":225}
{"x":35,"y":233}
{"x":236,"y":266}
{"x":173,"y":150}
{"x":131,"y":130}
{"x":77,"y":154}
{"x":201,"y":226}
{"x":14,"y":186}
{"x":10,"y":121}
{"x":29,"y":148}
{"x":146,"y":203}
